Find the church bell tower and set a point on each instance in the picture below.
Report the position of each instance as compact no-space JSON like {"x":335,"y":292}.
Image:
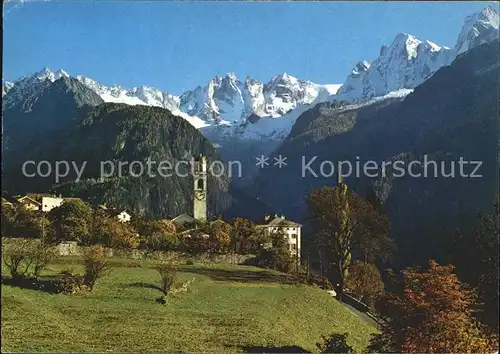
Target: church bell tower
{"x":200,"y":189}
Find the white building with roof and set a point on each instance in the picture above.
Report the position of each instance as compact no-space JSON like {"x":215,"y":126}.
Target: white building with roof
{"x":289,"y":228}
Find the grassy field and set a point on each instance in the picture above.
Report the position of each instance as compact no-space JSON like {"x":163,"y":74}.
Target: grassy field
{"x":227,"y":308}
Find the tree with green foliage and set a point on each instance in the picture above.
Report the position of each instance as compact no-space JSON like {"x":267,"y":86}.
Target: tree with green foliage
{"x":365,"y":281}
{"x":277,"y":256}
{"x":346,"y":225}
{"x":168,"y":273}
{"x":41,"y":256}
{"x":72,"y":221}
{"x":26,"y":257}
{"x":21,"y":222}
{"x":15,"y":257}
{"x":8,"y":215}
{"x":245,"y":237}
{"x":220,"y":236}
{"x":329,"y":209}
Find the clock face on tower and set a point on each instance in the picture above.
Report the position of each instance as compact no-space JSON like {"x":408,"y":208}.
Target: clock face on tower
{"x":200,"y":195}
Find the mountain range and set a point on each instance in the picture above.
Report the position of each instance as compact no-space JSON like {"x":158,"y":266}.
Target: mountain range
{"x":228,"y":102}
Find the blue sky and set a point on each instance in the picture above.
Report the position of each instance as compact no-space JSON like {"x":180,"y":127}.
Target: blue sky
{"x":176,"y":46}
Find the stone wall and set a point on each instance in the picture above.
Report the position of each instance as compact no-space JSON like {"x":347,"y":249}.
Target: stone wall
{"x":69,"y":248}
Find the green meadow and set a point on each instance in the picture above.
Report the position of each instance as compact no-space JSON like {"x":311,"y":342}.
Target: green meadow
{"x":226,"y":308}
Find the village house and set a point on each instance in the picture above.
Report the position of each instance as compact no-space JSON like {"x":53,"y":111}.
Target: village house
{"x":50,"y":202}
{"x":121,"y":215}
{"x":184,"y":219}
{"x":6,"y":203}
{"x":43,"y":202}
{"x":28,"y":203}
{"x":290,"y":229}
{"x":36,"y":201}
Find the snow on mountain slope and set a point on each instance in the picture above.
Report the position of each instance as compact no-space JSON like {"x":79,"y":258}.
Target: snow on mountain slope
{"x":143,"y":95}
{"x":228,"y":100}
{"x":6,"y":86}
{"x":259,"y":128}
{"x":275,"y":108}
{"x":478,"y":29}
{"x":29,"y":86}
{"x":332,"y":89}
{"x":407,"y":61}
{"x":223,"y":101}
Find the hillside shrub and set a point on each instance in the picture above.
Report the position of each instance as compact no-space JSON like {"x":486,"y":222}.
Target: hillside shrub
{"x":97,"y":265}
{"x":15,"y":257}
{"x":322,"y":282}
{"x":168,"y":273}
{"x":41,"y":256}
{"x":275,"y":259}
{"x":70,"y":283}
{"x":26,"y":257}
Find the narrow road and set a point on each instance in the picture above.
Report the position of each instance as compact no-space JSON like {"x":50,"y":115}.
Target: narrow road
{"x":362,"y":315}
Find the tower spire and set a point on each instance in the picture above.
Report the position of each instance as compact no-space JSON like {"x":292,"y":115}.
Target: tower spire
{"x":200,"y":189}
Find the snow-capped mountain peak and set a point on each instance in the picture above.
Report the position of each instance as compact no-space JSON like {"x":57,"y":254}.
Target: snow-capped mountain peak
{"x":228,"y":100}
{"x":47,"y":74}
{"x":407,"y":43}
{"x":479,"y":28}
{"x":408,"y":61}
{"x":29,"y":86}
{"x":6,"y":86}
{"x":403,"y":64}
{"x":231,"y":77}
{"x":284,"y":78}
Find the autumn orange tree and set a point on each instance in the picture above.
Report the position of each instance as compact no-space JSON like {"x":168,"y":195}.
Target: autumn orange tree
{"x":219,"y":235}
{"x":432,"y":314}
{"x":160,"y":235}
{"x":111,"y":232}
